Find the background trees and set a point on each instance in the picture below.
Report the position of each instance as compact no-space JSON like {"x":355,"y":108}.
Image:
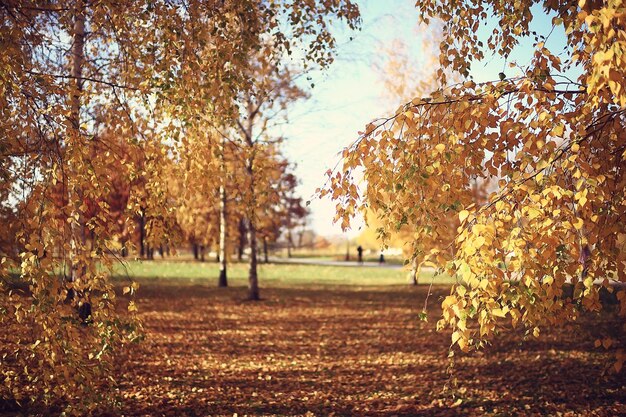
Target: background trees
{"x":295,"y":212}
{"x":96,"y":97}
{"x":273,"y":90}
{"x":551,"y":142}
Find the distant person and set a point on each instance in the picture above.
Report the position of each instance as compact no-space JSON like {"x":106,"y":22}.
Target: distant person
{"x":360,"y":252}
{"x":381,"y":259}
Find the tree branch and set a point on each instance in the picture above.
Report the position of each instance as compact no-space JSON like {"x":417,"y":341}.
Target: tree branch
{"x":95,"y":80}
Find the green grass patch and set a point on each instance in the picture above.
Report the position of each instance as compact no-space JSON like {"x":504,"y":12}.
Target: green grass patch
{"x":282,"y":275}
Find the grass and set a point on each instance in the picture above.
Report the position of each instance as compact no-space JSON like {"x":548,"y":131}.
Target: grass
{"x":278,"y":275}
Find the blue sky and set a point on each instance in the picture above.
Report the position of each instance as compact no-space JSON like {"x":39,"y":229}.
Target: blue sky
{"x":348,"y":95}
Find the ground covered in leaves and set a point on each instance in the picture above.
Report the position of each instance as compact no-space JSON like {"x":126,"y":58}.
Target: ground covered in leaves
{"x":347,"y":350}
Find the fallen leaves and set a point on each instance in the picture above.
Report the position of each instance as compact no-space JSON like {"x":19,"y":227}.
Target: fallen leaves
{"x":345,"y":351}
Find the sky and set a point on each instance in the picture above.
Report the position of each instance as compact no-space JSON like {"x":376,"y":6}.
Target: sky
{"x":349,"y":94}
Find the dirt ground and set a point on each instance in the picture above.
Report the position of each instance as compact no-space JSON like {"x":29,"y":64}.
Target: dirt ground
{"x":349,"y":351}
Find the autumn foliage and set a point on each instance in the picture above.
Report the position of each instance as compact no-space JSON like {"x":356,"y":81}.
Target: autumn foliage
{"x":552,"y":145}
{"x":99,"y":100}
{"x":130,"y":125}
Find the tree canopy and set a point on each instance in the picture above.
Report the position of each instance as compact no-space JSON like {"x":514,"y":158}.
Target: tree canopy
{"x":550,"y":146}
{"x":96,"y":98}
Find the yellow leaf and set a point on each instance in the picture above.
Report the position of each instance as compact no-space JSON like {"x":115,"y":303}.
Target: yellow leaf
{"x":461,"y":290}
{"x":463,"y":344}
{"x":456,"y":336}
{"x":533,"y":213}
{"x":440,"y":148}
{"x":463,"y":214}
{"x":557,"y":130}
{"x":578,"y":223}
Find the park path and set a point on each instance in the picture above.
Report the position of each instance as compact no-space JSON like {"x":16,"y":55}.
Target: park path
{"x":323,"y":262}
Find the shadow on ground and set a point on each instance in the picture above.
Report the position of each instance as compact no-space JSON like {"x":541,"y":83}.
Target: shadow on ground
{"x":348,"y":352}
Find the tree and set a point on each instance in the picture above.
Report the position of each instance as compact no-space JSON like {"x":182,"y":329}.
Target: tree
{"x":54,"y":76}
{"x":406,"y":71}
{"x":149,"y":68}
{"x":195,"y":195}
{"x":279,"y":207}
{"x":231,"y":86}
{"x":295,"y":212}
{"x":553,"y":146}
{"x":269,"y":97}
{"x":223,"y":207}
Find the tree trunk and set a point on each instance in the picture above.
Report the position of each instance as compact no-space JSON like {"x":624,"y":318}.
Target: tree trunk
{"x":414,"y":274}
{"x":253,"y":278}
{"x":75,"y":193}
{"x":78,"y":238}
{"x":289,"y":243}
{"x":202,"y":250}
{"x":92,"y":239}
{"x":300,"y":238}
{"x":142,"y":234}
{"x":195,"y":251}
{"x":242,"y":239}
{"x":265,"y":254}
{"x":223,"y":280}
